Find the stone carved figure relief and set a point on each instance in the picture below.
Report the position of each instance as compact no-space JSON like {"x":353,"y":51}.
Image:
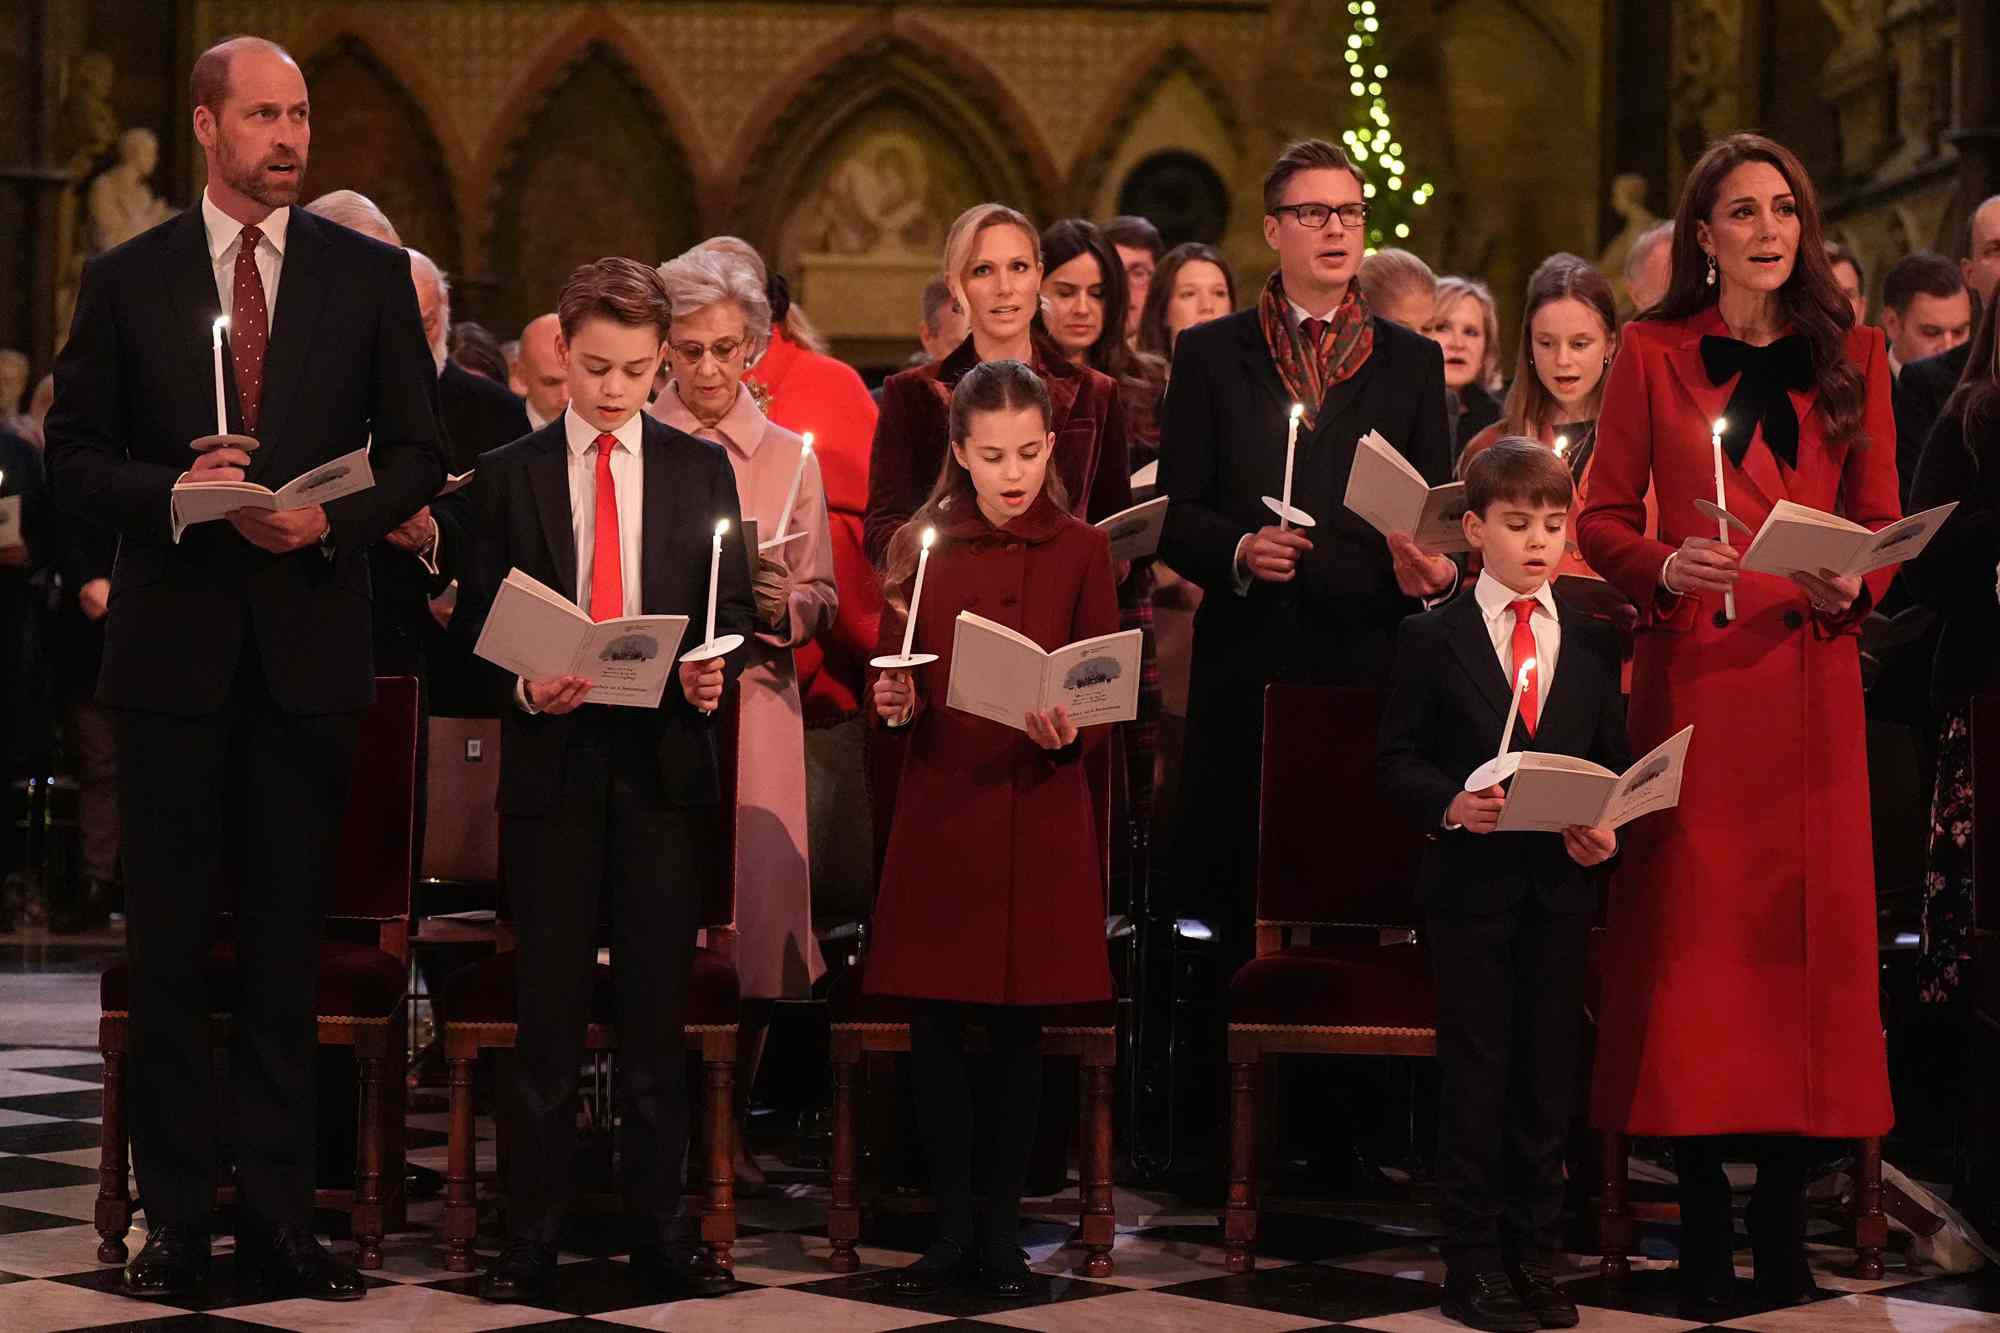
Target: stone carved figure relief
{"x":1705,"y":87}
{"x":1628,"y":201}
{"x":120,"y":202}
{"x":876,"y":201}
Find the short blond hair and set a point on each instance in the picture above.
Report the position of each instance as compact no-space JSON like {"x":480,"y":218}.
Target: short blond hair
{"x":1453,"y":288}
{"x":1388,"y":276}
{"x":960,"y":241}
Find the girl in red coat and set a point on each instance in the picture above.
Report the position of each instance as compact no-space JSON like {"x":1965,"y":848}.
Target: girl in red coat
{"x":992,"y":897}
{"x":1741,"y":968}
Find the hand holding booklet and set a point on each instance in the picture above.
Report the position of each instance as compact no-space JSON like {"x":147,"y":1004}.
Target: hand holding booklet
{"x":1383,"y":488}
{"x":201,"y":501}
{"x":539,"y":634}
{"x":1796,"y":537}
{"x":1003,"y":675}
{"x":1550,"y":792}
{"x":1135,"y":532}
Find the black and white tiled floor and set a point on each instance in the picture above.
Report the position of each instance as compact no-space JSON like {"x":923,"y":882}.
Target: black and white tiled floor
{"x":1322,"y":1265}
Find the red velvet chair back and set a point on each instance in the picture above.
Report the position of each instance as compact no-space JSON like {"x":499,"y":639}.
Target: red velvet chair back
{"x":1330,"y":849}
{"x":462,"y":784}
{"x":374,"y":868}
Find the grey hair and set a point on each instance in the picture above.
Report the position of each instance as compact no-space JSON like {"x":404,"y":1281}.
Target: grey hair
{"x":357,"y":212}
{"x":421,"y":261}
{"x":1649,"y":240}
{"x":705,"y":275}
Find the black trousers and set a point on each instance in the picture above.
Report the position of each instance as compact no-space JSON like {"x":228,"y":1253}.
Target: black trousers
{"x":1008,"y":1098}
{"x":262,"y":791}
{"x":1510,"y":1008}
{"x":612,"y":841}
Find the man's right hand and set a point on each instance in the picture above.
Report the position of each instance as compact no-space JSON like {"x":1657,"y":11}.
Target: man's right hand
{"x":225,"y":464}
{"x":558,"y":695}
{"x":95,"y":598}
{"x":1273,"y":553}
{"x":1476,"y":811}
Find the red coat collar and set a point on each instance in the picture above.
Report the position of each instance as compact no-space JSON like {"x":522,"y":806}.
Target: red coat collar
{"x":963,"y":522}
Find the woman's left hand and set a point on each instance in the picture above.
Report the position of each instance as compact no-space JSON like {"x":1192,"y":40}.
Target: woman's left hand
{"x":1051,"y":730}
{"x":1831,"y":594}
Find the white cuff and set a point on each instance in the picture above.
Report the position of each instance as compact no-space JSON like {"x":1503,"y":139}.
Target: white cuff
{"x":1446,"y":595}
{"x":429,"y":558}
{"x":521,"y":698}
{"x":1240,"y":576}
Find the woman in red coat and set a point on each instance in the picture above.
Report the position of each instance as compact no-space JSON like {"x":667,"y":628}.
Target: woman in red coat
{"x":1740,"y":992}
{"x":992,"y":898}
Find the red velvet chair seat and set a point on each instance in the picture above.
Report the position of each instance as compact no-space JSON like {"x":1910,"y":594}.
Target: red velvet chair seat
{"x":355,"y":981}
{"x":485,"y":991}
{"x":1352,"y":982}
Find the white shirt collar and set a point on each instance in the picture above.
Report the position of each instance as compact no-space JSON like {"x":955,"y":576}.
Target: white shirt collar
{"x":583,"y":436}
{"x":223,"y":229}
{"x":1300,"y":314}
{"x":1495,"y":597}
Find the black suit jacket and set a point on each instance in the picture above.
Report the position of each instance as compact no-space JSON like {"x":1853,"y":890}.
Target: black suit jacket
{"x":1920,"y":393}
{"x":1222,"y":448}
{"x":1954,"y":574}
{"x":135,"y":384}
{"x":521,"y":519}
{"x":1443,"y":719}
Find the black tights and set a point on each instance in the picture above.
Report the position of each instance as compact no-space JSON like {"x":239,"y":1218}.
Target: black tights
{"x":1007,"y":1113}
{"x":1777,"y":1216}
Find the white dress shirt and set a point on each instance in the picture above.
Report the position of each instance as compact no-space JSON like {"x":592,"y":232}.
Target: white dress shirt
{"x":224,"y":236}
{"x":628,"y":478}
{"x":1496,"y":604}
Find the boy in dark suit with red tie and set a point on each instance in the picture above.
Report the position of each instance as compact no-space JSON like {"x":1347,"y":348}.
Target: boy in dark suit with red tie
{"x":606,"y":803}
{"x":1507,"y":915}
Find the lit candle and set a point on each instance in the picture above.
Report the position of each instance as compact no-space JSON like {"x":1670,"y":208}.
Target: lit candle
{"x":1562,"y":445}
{"x":1291,"y":449}
{"x":714,"y":570}
{"x":917,"y":592}
{"x":792,"y":496}
{"x":221,"y":401}
{"x":1514,"y":708}
{"x":1721,"y":523}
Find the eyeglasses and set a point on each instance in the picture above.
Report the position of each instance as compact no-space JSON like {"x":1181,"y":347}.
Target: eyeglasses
{"x":724,"y":350}
{"x":1315,"y":216}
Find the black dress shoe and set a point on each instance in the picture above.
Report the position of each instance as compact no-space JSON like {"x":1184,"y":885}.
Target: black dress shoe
{"x":678,"y":1272}
{"x":1708,"y":1291}
{"x":174,"y":1263}
{"x":289,"y":1262}
{"x":943,"y":1265}
{"x":1487,"y":1300}
{"x":1003,"y":1271}
{"x":524,"y":1271}
{"x":1536,"y":1286}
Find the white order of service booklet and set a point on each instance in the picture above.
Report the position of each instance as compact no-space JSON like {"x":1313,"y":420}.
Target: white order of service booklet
{"x":1003,"y":675}
{"x":539,"y":634}
{"x":1383,"y":488}
{"x":1135,"y":532}
{"x":1797,"y":537}
{"x":1550,"y":792}
{"x":201,"y":502}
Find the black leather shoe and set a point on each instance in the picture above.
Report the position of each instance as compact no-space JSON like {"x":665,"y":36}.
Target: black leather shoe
{"x":523,"y":1271}
{"x":1536,"y":1286}
{"x":680,"y":1273}
{"x":290,"y":1262}
{"x":943,"y":1265}
{"x":174,"y":1263}
{"x":1003,"y":1271}
{"x":1487,"y":1300}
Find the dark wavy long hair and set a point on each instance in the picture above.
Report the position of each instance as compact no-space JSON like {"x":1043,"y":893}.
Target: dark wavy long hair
{"x":1152,"y":334}
{"x":1975,"y":403}
{"x":1139,"y":374}
{"x":1810,"y":297}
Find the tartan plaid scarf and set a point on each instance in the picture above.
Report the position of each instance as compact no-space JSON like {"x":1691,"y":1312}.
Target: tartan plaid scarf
{"x":1345,"y":340}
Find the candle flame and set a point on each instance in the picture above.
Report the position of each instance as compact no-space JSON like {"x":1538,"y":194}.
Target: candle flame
{"x":1721,"y":424}
{"x":1562,"y":444}
{"x":721,"y":526}
{"x":1298,"y":410}
{"x":1521,"y":677}
{"x":809,"y":442}
{"x":221,"y":323}
{"x":930,"y":535}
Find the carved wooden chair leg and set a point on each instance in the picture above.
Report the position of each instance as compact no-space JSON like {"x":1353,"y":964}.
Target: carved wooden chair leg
{"x":1099,"y":1222}
{"x":367,"y":1217}
{"x":1614,"y":1216}
{"x":1239,"y":1220}
{"x":718,"y":1216}
{"x":1871,"y":1225}
{"x":461,"y":1198}
{"x":114,"y":1196}
{"x":843,"y":1214}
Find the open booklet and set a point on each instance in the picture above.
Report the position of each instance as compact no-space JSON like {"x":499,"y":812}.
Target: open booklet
{"x":1135,"y":532}
{"x":1550,"y":792}
{"x":1796,"y":537}
{"x":199,"y":502}
{"x":1001,"y":674}
{"x":539,"y":634}
{"x":1383,"y":488}
{"x":455,"y":481}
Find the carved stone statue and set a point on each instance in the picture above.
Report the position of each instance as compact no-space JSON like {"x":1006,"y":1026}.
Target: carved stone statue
{"x":874,"y":203}
{"x":88,"y":121}
{"x":1628,"y":201}
{"x":120,"y":203}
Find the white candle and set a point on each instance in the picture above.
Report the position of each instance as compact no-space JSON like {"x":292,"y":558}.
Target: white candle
{"x":221,"y":402}
{"x":792,"y":495}
{"x":1291,"y":450}
{"x":1722,"y":524}
{"x":917,"y":592}
{"x":1562,"y":445}
{"x":714,"y":571}
{"x":1514,"y":708}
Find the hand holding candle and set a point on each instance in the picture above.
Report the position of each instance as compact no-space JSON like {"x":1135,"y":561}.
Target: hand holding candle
{"x":1722,"y":523}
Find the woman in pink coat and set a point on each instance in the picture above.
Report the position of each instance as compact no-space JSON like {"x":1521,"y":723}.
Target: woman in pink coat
{"x":721,"y":318}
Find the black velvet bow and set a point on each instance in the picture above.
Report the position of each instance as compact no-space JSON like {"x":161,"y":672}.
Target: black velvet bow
{"x":1761,"y":395}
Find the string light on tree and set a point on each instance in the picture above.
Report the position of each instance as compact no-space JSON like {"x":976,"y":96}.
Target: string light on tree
{"x":1370,"y":142}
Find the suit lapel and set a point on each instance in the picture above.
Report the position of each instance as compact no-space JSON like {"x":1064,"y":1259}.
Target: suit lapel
{"x":1475,"y":650}
{"x":1258,"y":366}
{"x":191,"y":290}
{"x":655,"y":515}
{"x":1339,"y":397}
{"x":548,"y":478}
{"x":301,"y":290}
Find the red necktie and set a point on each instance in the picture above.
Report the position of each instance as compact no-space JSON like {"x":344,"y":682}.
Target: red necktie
{"x":1309,"y":331}
{"x":607,"y":579}
{"x":1524,"y":651}
{"x":249,"y":328}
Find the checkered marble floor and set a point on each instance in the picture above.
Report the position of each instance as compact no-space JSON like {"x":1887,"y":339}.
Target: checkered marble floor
{"x":1321,"y":1265}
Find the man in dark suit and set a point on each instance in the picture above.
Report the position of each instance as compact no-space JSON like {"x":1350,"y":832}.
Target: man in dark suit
{"x":1507,"y":916}
{"x":237,"y":653}
{"x":1315,"y":605}
{"x":603,"y":804}
{"x":1923,"y":386}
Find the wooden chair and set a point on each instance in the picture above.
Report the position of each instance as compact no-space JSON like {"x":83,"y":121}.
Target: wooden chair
{"x":478,"y":1008}
{"x":360,"y":998}
{"x":461,"y":855}
{"x":1086,"y":1033}
{"x":1338,"y":968}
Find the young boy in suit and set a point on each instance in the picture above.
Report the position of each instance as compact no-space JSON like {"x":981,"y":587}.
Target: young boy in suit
{"x":1507,"y":915}
{"x":602,"y":803}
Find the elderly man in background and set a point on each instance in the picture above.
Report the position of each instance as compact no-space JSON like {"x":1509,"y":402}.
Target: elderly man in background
{"x":538,"y":375}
